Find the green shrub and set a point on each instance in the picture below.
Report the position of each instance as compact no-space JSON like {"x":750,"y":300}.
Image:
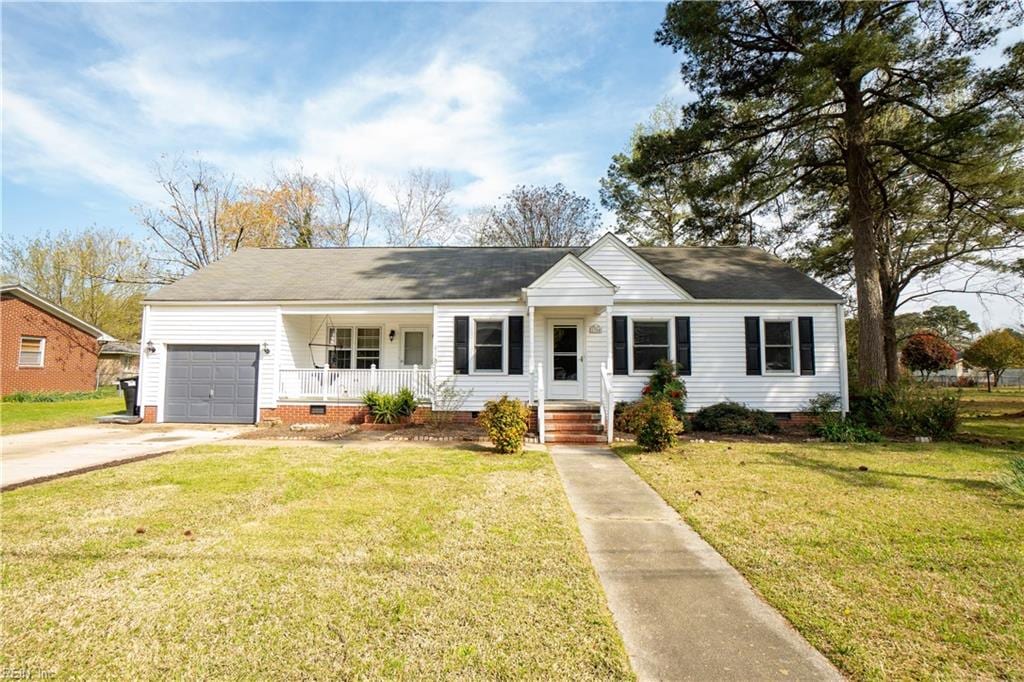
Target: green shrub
{"x":665,"y":383}
{"x":908,"y":408}
{"x":924,"y":411}
{"x":653,"y":421}
{"x":389,"y":408}
{"x":732,"y":417}
{"x":56,"y":396}
{"x":838,"y":430}
{"x":830,"y":423}
{"x":506,"y":421}
{"x":1013,"y":480}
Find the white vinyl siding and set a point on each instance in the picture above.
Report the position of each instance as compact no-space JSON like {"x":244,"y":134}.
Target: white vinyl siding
{"x":635,"y":281}
{"x":485,"y":386}
{"x":717,"y":352}
{"x":215,"y":324}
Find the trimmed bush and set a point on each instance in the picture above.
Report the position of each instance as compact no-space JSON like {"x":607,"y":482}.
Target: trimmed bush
{"x":735,"y":418}
{"x":665,"y":383}
{"x":653,"y":422}
{"x":389,"y":408}
{"x":506,"y":421}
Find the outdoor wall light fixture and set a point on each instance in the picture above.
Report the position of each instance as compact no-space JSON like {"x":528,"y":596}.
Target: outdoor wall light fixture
{"x":266,"y":348}
{"x":391,"y":335}
{"x":150,"y":348}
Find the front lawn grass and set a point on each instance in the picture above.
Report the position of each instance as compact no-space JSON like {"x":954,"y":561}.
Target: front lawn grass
{"x":910,"y":569}
{"x":23,"y":417}
{"x":304,"y":562}
{"x":997,"y":415}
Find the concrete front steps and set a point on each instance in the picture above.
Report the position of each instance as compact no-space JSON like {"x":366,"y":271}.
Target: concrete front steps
{"x":573,"y":422}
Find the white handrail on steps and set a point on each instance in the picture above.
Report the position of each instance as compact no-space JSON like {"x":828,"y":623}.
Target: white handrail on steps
{"x":607,"y":403}
{"x":540,"y":402}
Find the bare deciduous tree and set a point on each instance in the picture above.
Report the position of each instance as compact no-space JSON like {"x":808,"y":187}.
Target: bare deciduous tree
{"x":421,"y":212}
{"x":189,"y":226}
{"x":540,"y":216}
{"x":99,"y":275}
{"x":351,"y":208}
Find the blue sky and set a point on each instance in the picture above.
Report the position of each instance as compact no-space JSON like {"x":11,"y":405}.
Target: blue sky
{"x":94,"y":95}
{"x":495,"y":94}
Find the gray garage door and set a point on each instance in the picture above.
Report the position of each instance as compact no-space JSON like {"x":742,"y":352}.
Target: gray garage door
{"x":211,"y":384}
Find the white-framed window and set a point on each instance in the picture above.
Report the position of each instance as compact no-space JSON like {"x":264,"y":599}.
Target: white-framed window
{"x":651,"y":341}
{"x":367,"y":347}
{"x":339,"y":355}
{"x":31,"y":352}
{"x":357,"y":347}
{"x":414,"y":347}
{"x":778,"y":347}
{"x":488,"y":345}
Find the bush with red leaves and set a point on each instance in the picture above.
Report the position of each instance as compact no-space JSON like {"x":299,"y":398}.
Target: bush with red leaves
{"x":927,"y":352}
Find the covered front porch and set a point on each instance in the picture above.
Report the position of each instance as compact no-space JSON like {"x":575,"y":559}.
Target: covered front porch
{"x":340,"y":355}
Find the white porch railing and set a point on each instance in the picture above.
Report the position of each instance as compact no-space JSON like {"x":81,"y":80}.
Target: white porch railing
{"x":539,"y":378}
{"x":607,"y":403}
{"x":351,"y":384}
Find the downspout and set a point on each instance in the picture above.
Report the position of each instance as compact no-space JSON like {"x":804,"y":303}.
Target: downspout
{"x":143,"y":360}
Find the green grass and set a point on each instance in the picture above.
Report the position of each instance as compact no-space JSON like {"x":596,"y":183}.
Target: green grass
{"x":305,"y":562}
{"x":985,"y":414}
{"x":911,"y":569}
{"x":22,"y":417}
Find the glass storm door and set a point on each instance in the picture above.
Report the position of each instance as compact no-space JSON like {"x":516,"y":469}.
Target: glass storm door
{"x":566,"y":376}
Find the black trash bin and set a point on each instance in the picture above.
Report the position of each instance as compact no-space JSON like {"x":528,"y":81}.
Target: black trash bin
{"x":130,"y":386}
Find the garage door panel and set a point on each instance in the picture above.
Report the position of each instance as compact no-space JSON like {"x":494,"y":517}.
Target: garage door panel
{"x":193,"y":371}
{"x":177,"y":391}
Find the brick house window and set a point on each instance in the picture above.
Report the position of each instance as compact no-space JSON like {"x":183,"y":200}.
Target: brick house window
{"x":31,"y":351}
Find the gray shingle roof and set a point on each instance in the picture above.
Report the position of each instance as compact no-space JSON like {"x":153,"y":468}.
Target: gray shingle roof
{"x":734,"y":272}
{"x":437,"y":273}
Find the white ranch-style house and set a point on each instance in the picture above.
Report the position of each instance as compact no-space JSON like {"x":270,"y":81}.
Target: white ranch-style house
{"x":302,"y":334}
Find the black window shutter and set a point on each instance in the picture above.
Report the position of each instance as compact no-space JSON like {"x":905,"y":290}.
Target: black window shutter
{"x":620,"y":352}
{"x":805,"y":329}
{"x":515,"y":344}
{"x":683,"y":345}
{"x":753,"y":330}
{"x":462,"y":345}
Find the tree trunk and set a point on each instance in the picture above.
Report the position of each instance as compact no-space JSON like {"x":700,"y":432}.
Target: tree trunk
{"x":871,"y":374}
{"x":889,"y":341}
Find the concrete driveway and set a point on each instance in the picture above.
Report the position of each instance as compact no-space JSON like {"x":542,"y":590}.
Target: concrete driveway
{"x":39,"y":455}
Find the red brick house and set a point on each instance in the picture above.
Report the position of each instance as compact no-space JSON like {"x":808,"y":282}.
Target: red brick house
{"x":43,"y":347}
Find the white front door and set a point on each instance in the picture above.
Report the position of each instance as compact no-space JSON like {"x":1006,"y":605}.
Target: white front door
{"x":565,"y":358}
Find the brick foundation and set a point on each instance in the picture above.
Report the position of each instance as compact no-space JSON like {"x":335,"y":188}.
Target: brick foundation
{"x":343,"y":414}
{"x":149,"y":414}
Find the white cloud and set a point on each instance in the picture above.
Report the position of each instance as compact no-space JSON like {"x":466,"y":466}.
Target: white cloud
{"x":37,"y":140}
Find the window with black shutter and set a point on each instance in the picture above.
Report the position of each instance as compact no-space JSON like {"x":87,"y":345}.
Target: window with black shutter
{"x":461,"y":360}
{"x":683,"y":345}
{"x":805,"y":330}
{"x":752,"y":328}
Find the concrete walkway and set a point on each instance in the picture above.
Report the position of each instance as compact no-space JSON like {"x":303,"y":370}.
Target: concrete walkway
{"x":683,"y":611}
{"x":42,"y":455}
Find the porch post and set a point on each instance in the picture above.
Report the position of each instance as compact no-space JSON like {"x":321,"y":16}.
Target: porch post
{"x":531,"y":353}
{"x":608,"y":333}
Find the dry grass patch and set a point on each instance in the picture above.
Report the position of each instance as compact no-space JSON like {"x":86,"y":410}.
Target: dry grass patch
{"x":325,"y":562}
{"x":910,"y":569}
